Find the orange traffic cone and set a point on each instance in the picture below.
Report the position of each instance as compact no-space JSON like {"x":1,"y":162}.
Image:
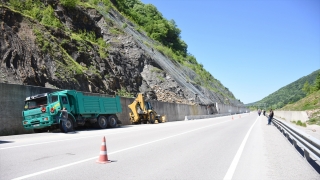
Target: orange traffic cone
{"x":103,"y":158}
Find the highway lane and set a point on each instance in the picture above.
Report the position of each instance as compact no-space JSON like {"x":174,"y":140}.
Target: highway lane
{"x":198,"y":149}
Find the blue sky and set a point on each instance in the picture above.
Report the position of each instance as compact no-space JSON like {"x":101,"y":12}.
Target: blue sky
{"x":253,"y":47}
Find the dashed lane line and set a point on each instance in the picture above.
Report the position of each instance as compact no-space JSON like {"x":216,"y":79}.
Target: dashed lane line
{"x":126,"y":149}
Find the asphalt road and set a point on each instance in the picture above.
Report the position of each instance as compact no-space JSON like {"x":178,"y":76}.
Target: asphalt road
{"x":242,"y":147}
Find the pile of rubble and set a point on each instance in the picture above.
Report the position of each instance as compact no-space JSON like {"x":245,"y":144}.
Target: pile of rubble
{"x":169,"y":96}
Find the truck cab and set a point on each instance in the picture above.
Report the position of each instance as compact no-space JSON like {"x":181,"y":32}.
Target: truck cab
{"x":36,"y":114}
{"x":42,"y":111}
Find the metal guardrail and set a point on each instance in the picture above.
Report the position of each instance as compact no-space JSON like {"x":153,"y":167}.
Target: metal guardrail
{"x":309,"y":144}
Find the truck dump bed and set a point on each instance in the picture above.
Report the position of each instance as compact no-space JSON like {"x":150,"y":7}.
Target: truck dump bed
{"x":95,"y":103}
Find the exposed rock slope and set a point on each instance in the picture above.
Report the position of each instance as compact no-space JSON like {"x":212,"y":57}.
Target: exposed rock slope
{"x":34,"y":54}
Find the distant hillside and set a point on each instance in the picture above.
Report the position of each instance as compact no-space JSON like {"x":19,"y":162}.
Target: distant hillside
{"x":309,"y":102}
{"x":288,"y":94}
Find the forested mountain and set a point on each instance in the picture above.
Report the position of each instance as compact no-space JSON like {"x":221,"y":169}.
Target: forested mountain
{"x":288,"y":94}
{"x":103,"y":46}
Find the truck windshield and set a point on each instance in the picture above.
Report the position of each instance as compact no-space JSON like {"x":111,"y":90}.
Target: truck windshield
{"x":35,"y":103}
{"x":53,"y":98}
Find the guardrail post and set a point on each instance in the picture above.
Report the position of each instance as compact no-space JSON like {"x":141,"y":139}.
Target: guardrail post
{"x":294,"y":143}
{"x":306,"y":155}
{"x":287,"y":136}
{"x":284,"y":133}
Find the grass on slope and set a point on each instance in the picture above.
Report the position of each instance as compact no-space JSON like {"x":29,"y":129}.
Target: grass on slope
{"x":311,"y":104}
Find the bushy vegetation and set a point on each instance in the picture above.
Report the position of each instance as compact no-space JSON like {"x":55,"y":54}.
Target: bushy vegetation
{"x":37,"y":10}
{"x":91,"y":37}
{"x":69,"y":3}
{"x":299,"y":123}
{"x":124,"y":93}
{"x":42,"y":41}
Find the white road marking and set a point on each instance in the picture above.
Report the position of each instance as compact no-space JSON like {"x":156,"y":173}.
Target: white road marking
{"x":11,"y":147}
{"x":126,"y":149}
{"x":236,"y":158}
{"x":48,"y":142}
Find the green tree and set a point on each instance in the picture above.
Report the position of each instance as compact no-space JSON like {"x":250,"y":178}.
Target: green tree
{"x":317,"y":83}
{"x":306,"y":87}
{"x":69,"y":3}
{"x":49,"y":18}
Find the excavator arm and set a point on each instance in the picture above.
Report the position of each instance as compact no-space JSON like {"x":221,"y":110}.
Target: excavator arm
{"x":137,"y":103}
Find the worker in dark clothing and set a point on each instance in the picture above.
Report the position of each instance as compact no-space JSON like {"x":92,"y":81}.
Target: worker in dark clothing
{"x":270,"y":117}
{"x":63,"y":118}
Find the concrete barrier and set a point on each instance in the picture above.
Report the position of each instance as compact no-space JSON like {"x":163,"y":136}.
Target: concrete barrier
{"x":195,"y":117}
{"x":292,"y":115}
{"x":13,"y":96}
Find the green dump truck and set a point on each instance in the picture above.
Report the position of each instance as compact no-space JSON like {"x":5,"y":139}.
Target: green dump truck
{"x":41,"y":112}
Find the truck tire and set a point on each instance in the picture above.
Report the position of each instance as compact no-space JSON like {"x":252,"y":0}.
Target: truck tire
{"x":151,"y":118}
{"x":112,"y":121}
{"x":68,"y":125}
{"x":101,"y":122}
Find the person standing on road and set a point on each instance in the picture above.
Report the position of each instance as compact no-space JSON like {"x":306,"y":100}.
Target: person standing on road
{"x":64,"y":118}
{"x":264,"y":112}
{"x":259,"y":112}
{"x":270,"y":117}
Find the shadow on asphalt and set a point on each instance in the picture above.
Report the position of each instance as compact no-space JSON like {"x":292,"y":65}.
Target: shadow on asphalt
{"x":84,"y":128}
{"x":300,"y":151}
{"x":3,"y":142}
{"x":88,"y":128}
{"x":314,"y":164}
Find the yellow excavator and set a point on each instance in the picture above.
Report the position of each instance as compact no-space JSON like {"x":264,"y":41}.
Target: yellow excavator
{"x":142,"y":112}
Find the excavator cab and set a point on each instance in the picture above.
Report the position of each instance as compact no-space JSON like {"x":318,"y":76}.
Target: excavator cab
{"x":148,"y":106}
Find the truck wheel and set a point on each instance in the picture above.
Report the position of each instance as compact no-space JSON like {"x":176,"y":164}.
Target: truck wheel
{"x":151,"y":118}
{"x":68,"y":125}
{"x":102,"y":122}
{"x":112,"y":121}
{"x":61,"y":126}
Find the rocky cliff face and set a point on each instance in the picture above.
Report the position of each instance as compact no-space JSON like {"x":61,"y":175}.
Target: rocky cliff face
{"x":34,"y":54}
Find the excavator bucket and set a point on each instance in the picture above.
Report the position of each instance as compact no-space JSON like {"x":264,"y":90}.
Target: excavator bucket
{"x":163,"y":118}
